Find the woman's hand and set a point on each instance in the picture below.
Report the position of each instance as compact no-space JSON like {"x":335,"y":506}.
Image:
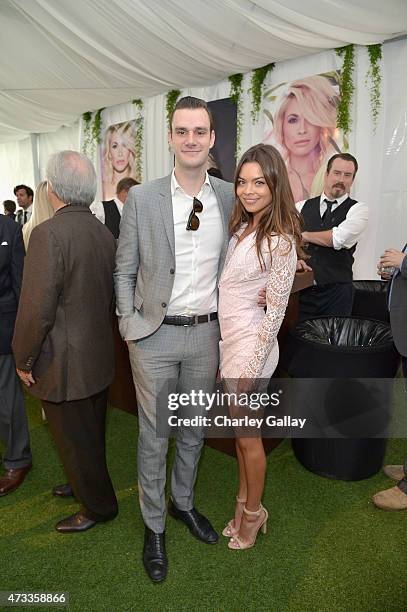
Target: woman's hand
{"x":245,"y":385}
{"x":302,"y":266}
{"x":261,"y":298}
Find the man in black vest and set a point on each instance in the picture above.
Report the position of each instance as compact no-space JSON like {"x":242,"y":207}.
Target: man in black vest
{"x":333,"y":223}
{"x":110,"y":212}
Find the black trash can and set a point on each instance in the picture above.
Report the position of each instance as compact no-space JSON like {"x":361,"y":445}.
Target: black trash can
{"x":370,"y":300}
{"x":344,"y":350}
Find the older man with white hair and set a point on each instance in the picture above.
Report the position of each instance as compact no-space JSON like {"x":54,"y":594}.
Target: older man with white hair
{"x":63,"y":344}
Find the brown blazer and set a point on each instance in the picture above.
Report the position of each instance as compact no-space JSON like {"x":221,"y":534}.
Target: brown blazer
{"x":63,"y":329}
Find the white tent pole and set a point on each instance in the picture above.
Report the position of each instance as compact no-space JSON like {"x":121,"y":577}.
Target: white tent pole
{"x":35,"y":158}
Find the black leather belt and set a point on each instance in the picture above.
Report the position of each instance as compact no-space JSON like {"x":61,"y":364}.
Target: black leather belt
{"x":190,"y":321}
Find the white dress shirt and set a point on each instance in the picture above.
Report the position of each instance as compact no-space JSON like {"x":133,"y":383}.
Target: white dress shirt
{"x":196,"y":253}
{"x":98,"y":210}
{"x":21,"y":212}
{"x":346,"y":234}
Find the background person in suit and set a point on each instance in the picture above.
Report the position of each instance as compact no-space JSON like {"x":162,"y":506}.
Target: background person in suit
{"x":63,"y":342}
{"x":392,"y":266}
{"x":13,"y":419}
{"x":110,"y":212}
{"x":24,"y":195}
{"x":172,"y":245}
{"x":9,"y":207}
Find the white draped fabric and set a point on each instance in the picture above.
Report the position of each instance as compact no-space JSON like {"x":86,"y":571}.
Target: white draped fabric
{"x":70,"y":57}
{"x":16,"y":167}
{"x":59,"y":59}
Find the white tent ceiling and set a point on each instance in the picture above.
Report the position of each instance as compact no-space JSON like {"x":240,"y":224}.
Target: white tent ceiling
{"x":60,"y":58}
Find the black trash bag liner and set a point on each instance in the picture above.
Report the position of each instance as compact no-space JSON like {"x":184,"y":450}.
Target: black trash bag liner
{"x":318,"y":348}
{"x":371,"y":286}
{"x":347,"y":332}
{"x":340,"y":347}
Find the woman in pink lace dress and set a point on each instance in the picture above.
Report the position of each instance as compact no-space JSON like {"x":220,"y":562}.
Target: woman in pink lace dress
{"x":262,"y":252}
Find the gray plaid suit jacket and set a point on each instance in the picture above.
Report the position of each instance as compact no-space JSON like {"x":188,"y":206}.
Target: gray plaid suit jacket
{"x":145,"y":261}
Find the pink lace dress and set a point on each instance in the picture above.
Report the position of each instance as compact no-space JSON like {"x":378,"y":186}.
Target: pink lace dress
{"x":249,"y":346}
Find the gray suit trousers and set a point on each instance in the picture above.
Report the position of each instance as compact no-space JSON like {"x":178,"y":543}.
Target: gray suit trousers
{"x":13,"y":418}
{"x":173,"y":358}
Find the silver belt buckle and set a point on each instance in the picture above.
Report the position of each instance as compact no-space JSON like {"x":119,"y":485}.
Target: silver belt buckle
{"x":195,"y":321}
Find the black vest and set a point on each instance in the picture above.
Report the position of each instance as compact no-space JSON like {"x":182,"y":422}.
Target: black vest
{"x":329,"y":265}
{"x":112,"y":217}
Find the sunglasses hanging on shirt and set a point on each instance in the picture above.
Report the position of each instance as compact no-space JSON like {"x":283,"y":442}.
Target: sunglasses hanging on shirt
{"x":193,"y":219}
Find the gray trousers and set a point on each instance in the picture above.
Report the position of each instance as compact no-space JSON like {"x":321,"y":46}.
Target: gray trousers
{"x":173,"y":358}
{"x":13,"y":418}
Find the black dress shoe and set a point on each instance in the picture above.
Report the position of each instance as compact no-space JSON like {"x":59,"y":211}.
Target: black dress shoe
{"x":154,"y":555}
{"x":197,"y":524}
{"x":12,"y":479}
{"x":63,"y":490}
{"x":75,"y":523}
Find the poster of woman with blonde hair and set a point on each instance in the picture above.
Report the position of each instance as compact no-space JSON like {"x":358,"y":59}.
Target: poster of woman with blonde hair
{"x":303,"y":128}
{"x":118,"y":156}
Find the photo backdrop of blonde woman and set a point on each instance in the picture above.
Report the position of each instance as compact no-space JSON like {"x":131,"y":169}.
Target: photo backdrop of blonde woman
{"x":301,"y":123}
{"x":117,"y":154}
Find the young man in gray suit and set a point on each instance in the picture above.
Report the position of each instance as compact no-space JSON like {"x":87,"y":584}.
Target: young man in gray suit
{"x":172,"y":246}
{"x":392,"y":266}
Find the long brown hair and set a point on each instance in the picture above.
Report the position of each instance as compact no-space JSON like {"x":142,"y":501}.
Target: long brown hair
{"x":282,"y":219}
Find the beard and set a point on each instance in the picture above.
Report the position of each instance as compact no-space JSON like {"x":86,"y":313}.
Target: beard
{"x":338,"y":189}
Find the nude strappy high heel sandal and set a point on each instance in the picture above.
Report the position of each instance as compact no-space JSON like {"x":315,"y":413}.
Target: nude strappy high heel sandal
{"x":230,"y":529}
{"x":236,"y":542}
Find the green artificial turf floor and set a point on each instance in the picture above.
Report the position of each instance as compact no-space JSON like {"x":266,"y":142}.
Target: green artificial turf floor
{"x":327,"y":547}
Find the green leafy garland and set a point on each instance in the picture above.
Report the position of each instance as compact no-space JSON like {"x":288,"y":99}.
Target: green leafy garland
{"x":138,"y":143}
{"x":256,"y":89}
{"x":91,"y":131}
{"x":172,"y":97}
{"x":344,"y":121}
{"x":97,"y":125}
{"x":87,"y":131}
{"x":374,"y":72}
{"x":236,"y":90}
